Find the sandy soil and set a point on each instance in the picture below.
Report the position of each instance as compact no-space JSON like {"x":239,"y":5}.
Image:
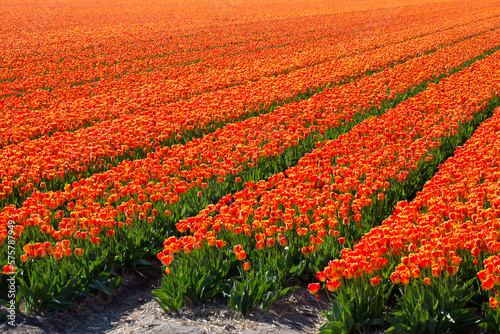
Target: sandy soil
{"x":132,"y":310}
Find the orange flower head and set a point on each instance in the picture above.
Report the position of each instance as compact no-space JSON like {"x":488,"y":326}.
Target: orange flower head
{"x":333,"y":285}
{"x":33,"y":253}
{"x":452,"y":270}
{"x":374,"y":281}
{"x":313,"y":288}
{"x":95,"y":240}
{"x":436,"y":272}
{"x":241,"y":255}
{"x":270,"y":242}
{"x":58,"y":255}
{"x":188,"y":249}
{"x":247,"y":266}
{"x":494,"y":303}
{"x":488,"y":284}
{"x":9,"y":269}
{"x":27,"y":248}
{"x":51,"y":250}
{"x":475,"y":251}
{"x":42,"y":252}
{"x":395,"y":278}
{"x":283,"y":242}
{"x":78,"y":252}
{"x":65,"y":243}
{"x":416,"y":273}
{"x":321,"y":276}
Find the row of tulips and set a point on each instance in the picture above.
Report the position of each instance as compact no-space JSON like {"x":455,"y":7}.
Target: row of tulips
{"x":53,"y":162}
{"x":70,"y":100}
{"x":183,"y":43}
{"x":104,"y":43}
{"x":326,"y":202}
{"x":123,"y":211}
{"x":158,"y":83}
{"x":69,"y":108}
{"x":240,"y":146}
{"x":434,"y":245}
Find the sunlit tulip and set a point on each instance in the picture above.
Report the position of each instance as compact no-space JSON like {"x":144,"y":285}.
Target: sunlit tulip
{"x":494,"y":303}
{"x":313,"y":288}
{"x":332,"y":286}
{"x":374,"y":281}
{"x":9,"y":270}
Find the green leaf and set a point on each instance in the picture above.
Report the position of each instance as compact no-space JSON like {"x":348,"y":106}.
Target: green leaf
{"x":57,"y":304}
{"x":333,"y":327}
{"x":142,"y":262}
{"x":298,"y":269}
{"x":99,"y":286}
{"x":432,"y":325}
{"x":349,"y":322}
{"x":246,"y":303}
{"x":336,"y":312}
{"x":375,"y":322}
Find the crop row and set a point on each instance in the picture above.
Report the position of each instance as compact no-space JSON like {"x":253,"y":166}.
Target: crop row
{"x":445,"y":232}
{"x":186,"y":43}
{"x":119,"y":205}
{"x":55,"y":161}
{"x":72,"y":108}
{"x":328,"y":200}
{"x":125,"y":94}
{"x":237,"y":147}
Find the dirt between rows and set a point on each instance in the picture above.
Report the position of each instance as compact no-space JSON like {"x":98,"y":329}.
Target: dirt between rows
{"x":131,"y":309}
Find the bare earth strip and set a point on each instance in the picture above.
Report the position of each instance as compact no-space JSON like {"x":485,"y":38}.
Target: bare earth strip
{"x":132,"y":310}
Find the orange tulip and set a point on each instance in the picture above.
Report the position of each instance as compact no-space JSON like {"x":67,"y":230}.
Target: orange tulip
{"x":313,"y":288}
{"x":9,"y":269}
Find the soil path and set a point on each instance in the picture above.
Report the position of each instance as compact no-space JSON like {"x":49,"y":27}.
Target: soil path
{"x":132,"y":310}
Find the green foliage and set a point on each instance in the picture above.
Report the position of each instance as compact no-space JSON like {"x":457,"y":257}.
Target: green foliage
{"x":264,"y":284}
{"x":197,"y":276}
{"x":438,"y":308}
{"x":491,"y":322}
{"x":356,"y":305}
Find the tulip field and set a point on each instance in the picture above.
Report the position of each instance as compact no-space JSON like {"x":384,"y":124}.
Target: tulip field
{"x":348,"y":148}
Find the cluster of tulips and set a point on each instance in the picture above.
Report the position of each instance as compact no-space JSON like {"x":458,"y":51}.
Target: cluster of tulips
{"x":169,"y":173}
{"x":76,"y":97}
{"x":102,"y":212}
{"x":88,"y":95}
{"x":268,"y":196}
{"x":445,"y":232}
{"x":369,"y":160}
{"x":341,"y":189}
{"x":52,"y":162}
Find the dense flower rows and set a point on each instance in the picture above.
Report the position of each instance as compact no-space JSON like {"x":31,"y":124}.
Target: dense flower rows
{"x":57,"y":159}
{"x":257,"y":156}
{"x":450,"y":225}
{"x":157,"y":81}
{"x":67,"y":98}
{"x":169,"y":173}
{"x":336,"y":190}
{"x":455,"y":213}
{"x":350,"y":173}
